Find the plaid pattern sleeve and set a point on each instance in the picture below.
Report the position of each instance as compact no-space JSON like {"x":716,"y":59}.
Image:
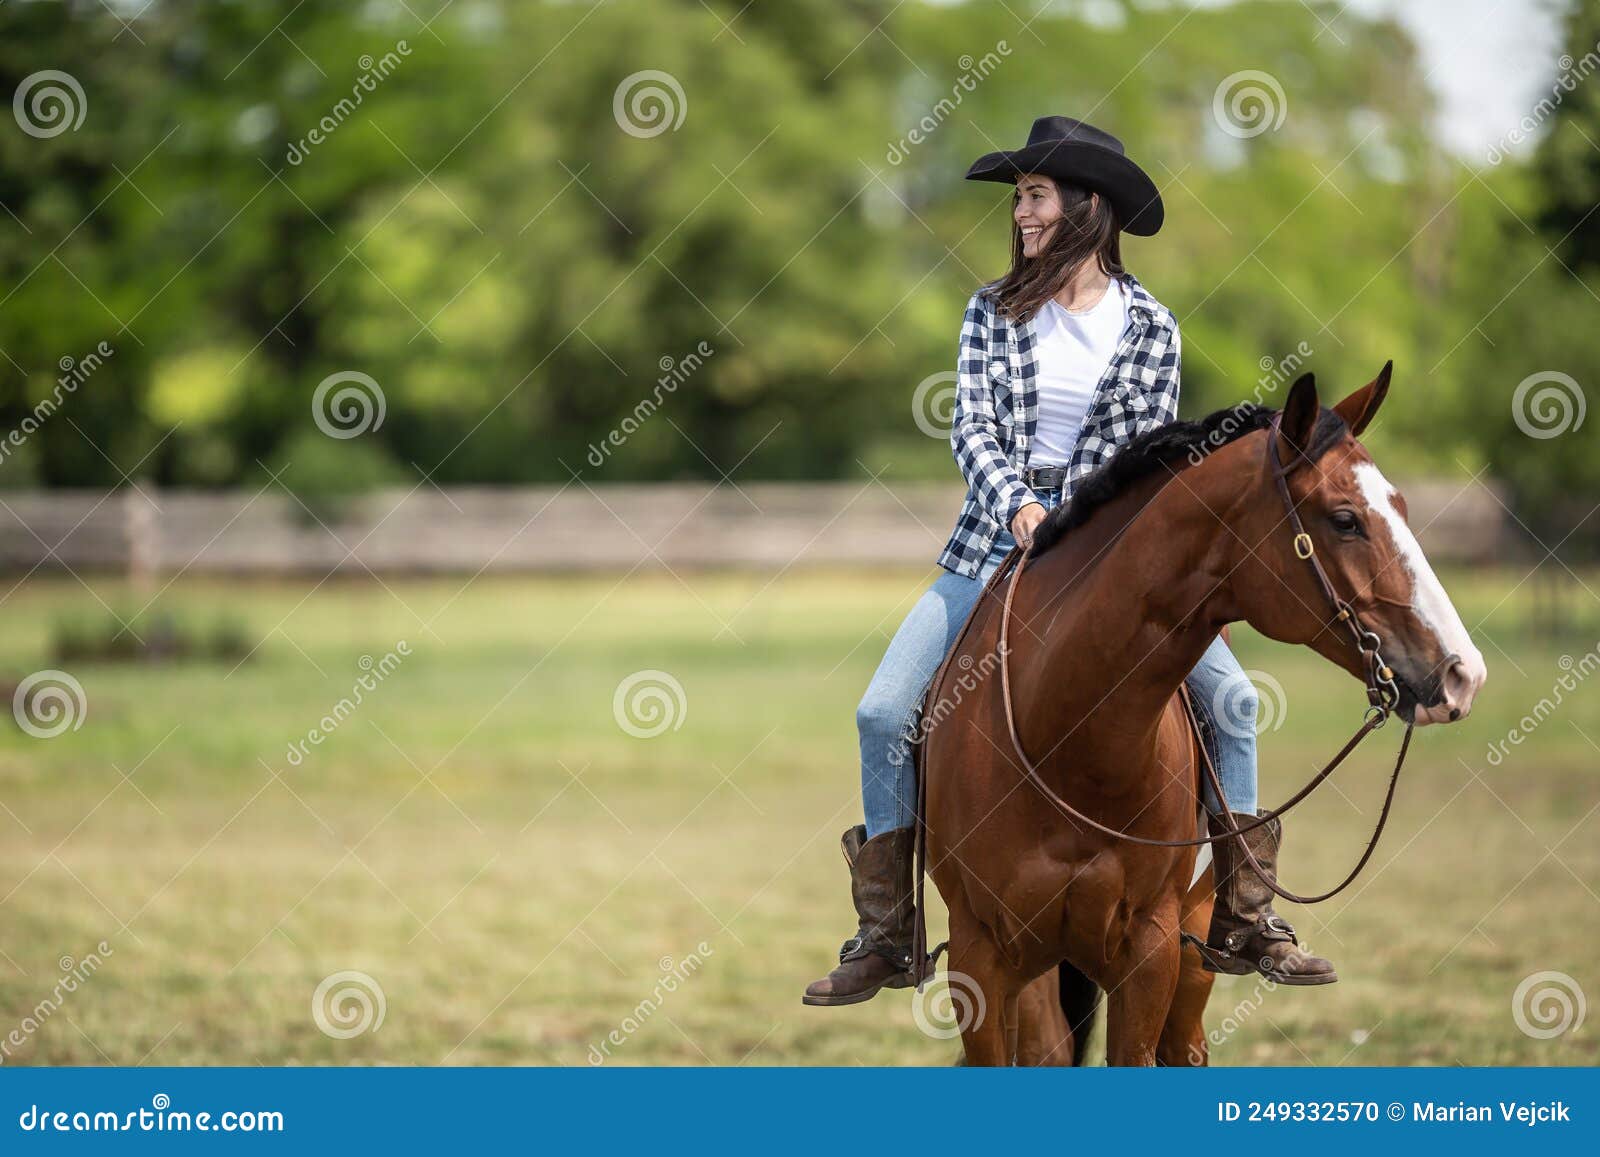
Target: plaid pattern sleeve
{"x":982,"y":436}
{"x":997,"y":408}
{"x":1164,"y":397}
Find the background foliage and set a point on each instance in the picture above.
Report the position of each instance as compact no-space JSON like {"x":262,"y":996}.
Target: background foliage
{"x":482,"y":238}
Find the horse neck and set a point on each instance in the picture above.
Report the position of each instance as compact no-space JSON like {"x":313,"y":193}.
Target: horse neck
{"x":1113,"y":629}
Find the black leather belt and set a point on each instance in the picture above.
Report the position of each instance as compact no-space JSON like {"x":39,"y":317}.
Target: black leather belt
{"x":1045,"y":477}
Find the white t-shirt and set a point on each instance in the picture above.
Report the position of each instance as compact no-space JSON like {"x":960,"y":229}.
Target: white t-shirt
{"x":1072,"y":351}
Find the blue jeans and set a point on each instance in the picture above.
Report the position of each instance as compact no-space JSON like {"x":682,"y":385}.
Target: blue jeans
{"x":887,"y":716}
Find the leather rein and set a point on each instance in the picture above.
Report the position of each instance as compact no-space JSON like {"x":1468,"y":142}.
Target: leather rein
{"x":1383,"y":695}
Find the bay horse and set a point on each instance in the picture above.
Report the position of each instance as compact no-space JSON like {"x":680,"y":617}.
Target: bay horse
{"x":1187,"y":528}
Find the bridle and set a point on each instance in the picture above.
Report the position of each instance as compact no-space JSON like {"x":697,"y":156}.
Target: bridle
{"x":1383,"y":696}
{"x":1382,"y":692}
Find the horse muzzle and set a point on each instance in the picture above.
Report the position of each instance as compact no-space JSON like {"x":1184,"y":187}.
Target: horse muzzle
{"x":1445,"y":693}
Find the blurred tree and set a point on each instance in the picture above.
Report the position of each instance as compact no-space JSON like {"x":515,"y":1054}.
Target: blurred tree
{"x":70,"y":262}
{"x":524,"y":222}
{"x":1530,"y":271}
{"x":1567,"y":165}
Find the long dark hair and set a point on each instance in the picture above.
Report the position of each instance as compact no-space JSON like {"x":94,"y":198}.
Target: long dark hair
{"x":1088,"y":230}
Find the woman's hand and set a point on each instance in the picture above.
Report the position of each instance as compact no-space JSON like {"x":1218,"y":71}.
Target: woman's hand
{"x":1025,"y":522}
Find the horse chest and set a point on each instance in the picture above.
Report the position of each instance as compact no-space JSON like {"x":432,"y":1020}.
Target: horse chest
{"x":1054,"y":906}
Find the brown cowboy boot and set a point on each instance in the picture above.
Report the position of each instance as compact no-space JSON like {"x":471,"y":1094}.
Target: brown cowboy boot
{"x":1246,"y":934}
{"x":879,"y":954}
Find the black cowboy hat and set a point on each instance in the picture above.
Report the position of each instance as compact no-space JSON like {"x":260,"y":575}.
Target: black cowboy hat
{"x":1082,"y":155}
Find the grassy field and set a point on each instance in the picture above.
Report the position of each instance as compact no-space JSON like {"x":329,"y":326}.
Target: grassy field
{"x":517,"y":873}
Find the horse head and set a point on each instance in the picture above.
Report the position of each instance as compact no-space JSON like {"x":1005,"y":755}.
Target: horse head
{"x":1353,"y":530}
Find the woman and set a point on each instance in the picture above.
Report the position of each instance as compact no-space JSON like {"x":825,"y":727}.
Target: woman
{"x":1061,"y":361}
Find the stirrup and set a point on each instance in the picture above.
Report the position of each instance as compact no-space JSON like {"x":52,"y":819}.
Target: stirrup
{"x":930,"y":964}
{"x":1216,"y":959}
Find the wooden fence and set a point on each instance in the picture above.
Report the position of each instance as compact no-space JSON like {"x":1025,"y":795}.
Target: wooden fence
{"x":766,"y":526}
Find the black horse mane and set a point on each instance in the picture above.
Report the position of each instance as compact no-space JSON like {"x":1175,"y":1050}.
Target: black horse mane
{"x":1166,"y":448}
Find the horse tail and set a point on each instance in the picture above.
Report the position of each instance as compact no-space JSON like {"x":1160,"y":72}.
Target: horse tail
{"x":1080,"y":996}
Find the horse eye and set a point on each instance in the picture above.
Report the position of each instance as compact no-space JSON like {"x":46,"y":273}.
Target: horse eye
{"x":1345,"y":522}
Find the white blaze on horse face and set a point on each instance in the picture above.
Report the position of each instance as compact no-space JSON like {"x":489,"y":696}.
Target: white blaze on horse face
{"x":1430,"y":604}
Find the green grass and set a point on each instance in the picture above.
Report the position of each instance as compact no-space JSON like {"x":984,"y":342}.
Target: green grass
{"x":513,"y":868}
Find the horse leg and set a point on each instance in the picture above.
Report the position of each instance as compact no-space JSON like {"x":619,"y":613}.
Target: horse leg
{"x":991,"y":987}
{"x":1043,"y":1035}
{"x":1144,"y":977}
{"x":1183,"y":1040}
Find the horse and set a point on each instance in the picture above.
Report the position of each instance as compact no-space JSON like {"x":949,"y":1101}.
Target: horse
{"x":1186,"y":529}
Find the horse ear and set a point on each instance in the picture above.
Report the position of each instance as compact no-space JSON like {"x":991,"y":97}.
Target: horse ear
{"x":1299,"y":418}
{"x":1357,"y":410}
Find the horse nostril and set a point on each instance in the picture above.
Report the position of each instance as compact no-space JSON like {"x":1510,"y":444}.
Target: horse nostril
{"x":1458,"y":686}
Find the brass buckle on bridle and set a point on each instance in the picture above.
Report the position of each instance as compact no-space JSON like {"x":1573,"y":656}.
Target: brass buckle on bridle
{"x":1303,"y":546}
{"x":1388,"y":690}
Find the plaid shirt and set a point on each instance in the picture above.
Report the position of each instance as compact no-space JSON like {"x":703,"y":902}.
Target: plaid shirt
{"x":997,"y":409}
